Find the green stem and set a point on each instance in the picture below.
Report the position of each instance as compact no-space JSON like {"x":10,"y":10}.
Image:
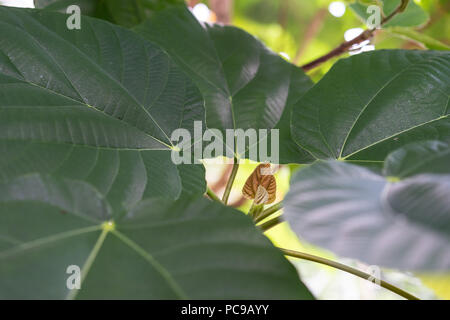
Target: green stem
{"x":271,"y":223}
{"x":212,"y":195}
{"x":251,"y":211}
{"x":255,"y":210}
{"x":270,"y":210}
{"x":227,"y":191}
{"x":343,"y":267}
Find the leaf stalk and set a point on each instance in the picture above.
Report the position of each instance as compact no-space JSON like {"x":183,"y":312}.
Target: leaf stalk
{"x":269,"y":211}
{"x":343,"y":267}
{"x":271,"y":223}
{"x":230,"y":182}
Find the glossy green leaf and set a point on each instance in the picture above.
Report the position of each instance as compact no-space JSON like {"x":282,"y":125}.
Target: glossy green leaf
{"x":372,"y":103}
{"x":98,"y":104}
{"x":417,"y":158}
{"x":244,"y":84}
{"x":356,"y":213}
{"x":158,"y":250}
{"x":413,"y":15}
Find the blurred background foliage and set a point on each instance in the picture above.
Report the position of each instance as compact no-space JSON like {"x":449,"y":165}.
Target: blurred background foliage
{"x":301,"y":31}
{"x":304,"y":30}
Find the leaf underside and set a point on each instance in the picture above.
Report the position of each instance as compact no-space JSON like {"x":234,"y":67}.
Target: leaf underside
{"x":359,"y":214}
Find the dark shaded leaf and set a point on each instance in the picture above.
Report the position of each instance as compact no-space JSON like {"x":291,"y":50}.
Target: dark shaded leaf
{"x":98,"y":104}
{"x":359,"y":214}
{"x":419,"y":157}
{"x":158,"y":250}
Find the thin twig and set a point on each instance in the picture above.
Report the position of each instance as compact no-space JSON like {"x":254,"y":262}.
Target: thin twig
{"x":271,"y":223}
{"x":226,"y":193}
{"x":346,"y":45}
{"x":343,"y":267}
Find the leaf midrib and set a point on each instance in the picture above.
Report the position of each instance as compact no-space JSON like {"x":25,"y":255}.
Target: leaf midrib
{"x":163,"y":272}
{"x":23,"y":246}
{"x":396,"y":134}
{"x":375,"y":96}
{"x":70,"y":82}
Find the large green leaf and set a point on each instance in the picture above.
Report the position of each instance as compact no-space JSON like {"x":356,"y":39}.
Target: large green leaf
{"x":244,"y":84}
{"x":158,"y":250}
{"x":413,"y":15}
{"x":85,"y":122}
{"x":98,"y":104}
{"x":357,"y":213}
{"x":370,"y":104}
